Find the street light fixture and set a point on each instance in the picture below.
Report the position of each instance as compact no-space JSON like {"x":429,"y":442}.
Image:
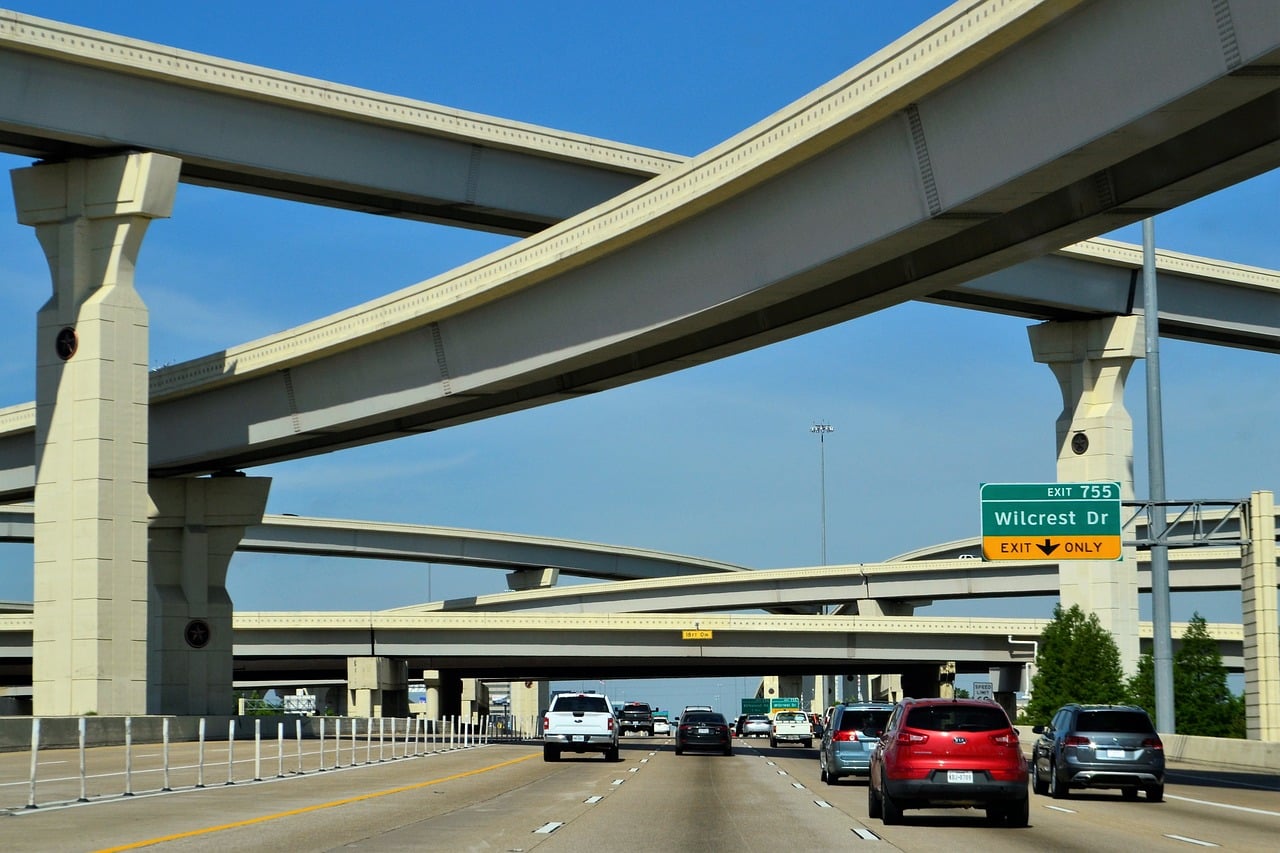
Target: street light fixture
{"x":822,"y":430}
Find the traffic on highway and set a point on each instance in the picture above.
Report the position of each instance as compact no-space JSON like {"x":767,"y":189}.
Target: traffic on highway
{"x":500,"y":795}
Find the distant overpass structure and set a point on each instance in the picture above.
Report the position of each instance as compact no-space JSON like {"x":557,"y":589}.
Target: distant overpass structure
{"x":420,"y":543}
{"x":500,"y":646}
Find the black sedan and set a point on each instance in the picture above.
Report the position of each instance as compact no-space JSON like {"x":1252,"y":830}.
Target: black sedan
{"x":705,"y":730}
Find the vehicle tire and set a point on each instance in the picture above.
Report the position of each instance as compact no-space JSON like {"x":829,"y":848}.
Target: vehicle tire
{"x":1057,"y":788}
{"x":611,"y":754}
{"x":1129,"y":793}
{"x":873,"y":801}
{"x":1019,"y":813}
{"x":1155,"y":793}
{"x":728,"y":750}
{"x":550,"y":753}
{"x":822,"y":771}
{"x":1038,"y":785}
{"x":890,"y":811}
{"x":808,"y":744}
{"x":679,"y":749}
{"x":773,"y":743}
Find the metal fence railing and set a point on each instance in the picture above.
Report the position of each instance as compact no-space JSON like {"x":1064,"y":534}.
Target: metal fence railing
{"x":57,"y":774}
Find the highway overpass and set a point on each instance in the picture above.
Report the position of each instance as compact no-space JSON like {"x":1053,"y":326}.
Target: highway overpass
{"x":888,"y":171}
{"x":315,"y":646}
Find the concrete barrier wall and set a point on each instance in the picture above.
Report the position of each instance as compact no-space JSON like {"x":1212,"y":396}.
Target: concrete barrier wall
{"x":1210,"y":752}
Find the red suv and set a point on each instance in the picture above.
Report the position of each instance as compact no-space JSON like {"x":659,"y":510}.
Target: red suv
{"x":939,"y":753}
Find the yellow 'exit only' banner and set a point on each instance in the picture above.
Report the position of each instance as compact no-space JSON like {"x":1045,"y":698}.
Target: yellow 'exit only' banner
{"x":1051,"y":547}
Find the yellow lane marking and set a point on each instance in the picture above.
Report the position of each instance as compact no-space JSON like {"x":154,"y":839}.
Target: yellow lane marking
{"x":252,"y":821}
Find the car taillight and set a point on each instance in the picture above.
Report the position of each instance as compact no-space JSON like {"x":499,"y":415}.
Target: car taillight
{"x":611,"y":724}
{"x":852,"y":736}
{"x":1153,"y":743}
{"x":1005,"y":739}
{"x":1075,"y":740}
{"x":909,"y":738}
{"x":546,"y":723}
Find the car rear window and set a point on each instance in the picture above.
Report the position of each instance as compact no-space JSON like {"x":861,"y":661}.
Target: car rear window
{"x":703,"y":717}
{"x":581,"y":703}
{"x":791,"y":717}
{"x":1114,"y":721}
{"x":871,"y":722}
{"x":957,"y":718}
{"x":758,"y":718}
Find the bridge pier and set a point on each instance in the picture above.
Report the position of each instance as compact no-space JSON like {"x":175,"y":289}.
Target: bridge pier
{"x":377,"y":687}
{"x":1091,"y":360}
{"x":527,"y":579}
{"x":89,"y":642}
{"x":194,"y":528}
{"x":1260,"y":618}
{"x":528,"y":700}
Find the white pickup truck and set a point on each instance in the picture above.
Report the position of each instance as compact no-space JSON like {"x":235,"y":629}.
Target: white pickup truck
{"x":791,"y":727}
{"x":579,"y":722}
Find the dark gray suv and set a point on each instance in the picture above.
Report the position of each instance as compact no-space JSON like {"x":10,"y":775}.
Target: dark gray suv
{"x":1098,"y":746}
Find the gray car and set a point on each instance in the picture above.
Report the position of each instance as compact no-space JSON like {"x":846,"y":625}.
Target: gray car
{"x":849,"y":734}
{"x":1098,"y":746}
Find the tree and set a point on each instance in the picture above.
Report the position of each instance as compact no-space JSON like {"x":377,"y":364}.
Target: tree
{"x":1202,"y":702}
{"x":1077,"y":661}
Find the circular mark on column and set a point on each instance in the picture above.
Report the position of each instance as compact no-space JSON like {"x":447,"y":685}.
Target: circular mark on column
{"x":66,"y":343}
{"x":1079,"y":443}
{"x":197,"y":633}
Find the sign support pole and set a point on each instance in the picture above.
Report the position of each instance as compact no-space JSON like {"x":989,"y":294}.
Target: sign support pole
{"x":1162,"y":642}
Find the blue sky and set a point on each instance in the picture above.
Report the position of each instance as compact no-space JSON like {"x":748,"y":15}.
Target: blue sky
{"x":716,"y":461}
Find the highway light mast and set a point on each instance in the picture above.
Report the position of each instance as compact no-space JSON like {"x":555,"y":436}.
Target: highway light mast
{"x":822,"y":430}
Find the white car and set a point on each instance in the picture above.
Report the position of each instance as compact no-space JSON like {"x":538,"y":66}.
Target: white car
{"x":661,"y":726}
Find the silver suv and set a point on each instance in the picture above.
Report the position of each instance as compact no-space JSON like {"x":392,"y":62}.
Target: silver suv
{"x":849,"y":734}
{"x":1098,"y":746}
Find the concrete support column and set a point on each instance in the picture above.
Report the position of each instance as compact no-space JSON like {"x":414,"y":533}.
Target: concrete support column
{"x":528,"y":700}
{"x":431,"y":686}
{"x":194,"y":528}
{"x":377,"y":687}
{"x":1091,"y":360}
{"x":89,"y":652}
{"x":1261,"y":631}
{"x":527,"y":579}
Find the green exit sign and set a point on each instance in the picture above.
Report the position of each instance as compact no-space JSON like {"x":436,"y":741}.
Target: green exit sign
{"x":1061,"y":521}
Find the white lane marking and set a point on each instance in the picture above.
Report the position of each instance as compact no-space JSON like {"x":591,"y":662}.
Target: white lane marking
{"x":782,"y":773}
{"x":797,"y":785}
{"x":1195,"y":841}
{"x":822,"y":804}
{"x":591,"y":801}
{"x":644,"y":761}
{"x":618,"y":781}
{"x":1223,"y":805}
{"x":633,"y":770}
{"x":771,"y":764}
{"x":866,"y":835}
{"x":548,"y":828}
{"x":1061,"y":809}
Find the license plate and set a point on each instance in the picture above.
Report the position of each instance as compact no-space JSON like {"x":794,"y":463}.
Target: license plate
{"x":963,"y":776}
{"x":704,"y":731}
{"x":1115,"y":753}
{"x":580,"y":738}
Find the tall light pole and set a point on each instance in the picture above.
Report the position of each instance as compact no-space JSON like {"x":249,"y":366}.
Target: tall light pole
{"x":822,"y":430}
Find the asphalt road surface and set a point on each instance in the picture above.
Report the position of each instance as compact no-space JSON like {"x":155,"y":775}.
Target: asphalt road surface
{"x":504,"y":797}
